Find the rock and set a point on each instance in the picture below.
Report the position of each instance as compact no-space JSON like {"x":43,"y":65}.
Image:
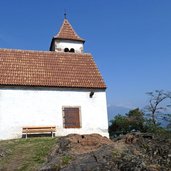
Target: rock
{"x":132,"y":152}
{"x":129,"y":138}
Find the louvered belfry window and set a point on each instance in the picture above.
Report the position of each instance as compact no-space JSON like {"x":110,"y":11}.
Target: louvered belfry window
{"x":71,"y":117}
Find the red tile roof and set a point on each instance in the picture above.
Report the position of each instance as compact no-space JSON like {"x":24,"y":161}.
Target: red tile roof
{"x":51,"y":69}
{"x":67,"y":32}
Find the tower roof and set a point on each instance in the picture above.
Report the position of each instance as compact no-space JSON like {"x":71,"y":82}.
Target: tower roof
{"x":67,"y":32}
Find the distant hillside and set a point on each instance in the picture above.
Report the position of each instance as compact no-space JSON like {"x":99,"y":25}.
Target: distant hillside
{"x":114,"y":110}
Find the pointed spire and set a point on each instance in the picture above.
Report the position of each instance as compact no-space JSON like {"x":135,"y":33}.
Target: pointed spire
{"x":67,"y":32}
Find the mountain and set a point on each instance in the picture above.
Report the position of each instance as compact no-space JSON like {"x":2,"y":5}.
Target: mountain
{"x":114,"y":110}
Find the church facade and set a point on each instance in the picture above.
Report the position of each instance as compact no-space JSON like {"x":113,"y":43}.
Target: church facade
{"x":61,"y":87}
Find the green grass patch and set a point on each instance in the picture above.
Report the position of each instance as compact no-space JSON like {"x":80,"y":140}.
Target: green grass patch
{"x":25,"y":154}
{"x":66,"y":160}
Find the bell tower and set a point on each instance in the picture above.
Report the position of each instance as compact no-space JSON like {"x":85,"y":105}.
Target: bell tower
{"x":67,"y":40}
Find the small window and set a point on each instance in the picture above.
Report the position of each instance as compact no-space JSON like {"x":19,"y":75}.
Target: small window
{"x":71,"y":117}
{"x":66,"y":50}
{"x":72,"y":50}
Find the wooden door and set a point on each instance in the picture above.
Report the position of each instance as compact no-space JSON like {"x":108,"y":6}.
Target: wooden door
{"x":71,"y":117}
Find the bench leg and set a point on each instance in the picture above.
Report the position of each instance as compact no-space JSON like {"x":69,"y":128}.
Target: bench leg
{"x":52,"y":134}
{"x":26,"y":135}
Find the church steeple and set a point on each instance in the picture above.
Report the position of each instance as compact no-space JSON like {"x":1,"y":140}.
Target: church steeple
{"x":67,"y":40}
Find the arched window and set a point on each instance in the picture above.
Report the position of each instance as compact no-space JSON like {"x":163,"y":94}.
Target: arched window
{"x":72,"y":50}
{"x":66,"y":50}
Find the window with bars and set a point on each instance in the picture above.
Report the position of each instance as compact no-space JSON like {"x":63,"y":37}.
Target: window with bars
{"x":71,"y":117}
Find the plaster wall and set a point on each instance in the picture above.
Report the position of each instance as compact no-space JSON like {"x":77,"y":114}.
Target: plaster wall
{"x":43,"y":107}
{"x":62,"y":44}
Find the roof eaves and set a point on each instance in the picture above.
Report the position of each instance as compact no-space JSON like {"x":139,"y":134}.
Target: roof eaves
{"x":75,"y":87}
{"x":60,"y":38}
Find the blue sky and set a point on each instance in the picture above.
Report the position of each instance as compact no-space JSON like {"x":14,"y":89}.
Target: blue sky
{"x":130,"y":40}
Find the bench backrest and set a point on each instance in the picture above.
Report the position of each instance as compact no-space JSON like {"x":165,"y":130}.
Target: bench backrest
{"x":39,"y":129}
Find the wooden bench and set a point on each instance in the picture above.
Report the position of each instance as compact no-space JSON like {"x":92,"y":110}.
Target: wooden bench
{"x":38,"y":129}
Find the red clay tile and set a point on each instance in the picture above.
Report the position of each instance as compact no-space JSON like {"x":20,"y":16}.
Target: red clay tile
{"x":67,"y":32}
{"x":52,"y":69}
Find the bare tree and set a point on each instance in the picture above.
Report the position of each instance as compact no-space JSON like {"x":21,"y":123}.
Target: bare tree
{"x":154,"y":106}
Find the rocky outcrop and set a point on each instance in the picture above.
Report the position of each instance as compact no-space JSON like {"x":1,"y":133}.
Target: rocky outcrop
{"x":132,"y":152}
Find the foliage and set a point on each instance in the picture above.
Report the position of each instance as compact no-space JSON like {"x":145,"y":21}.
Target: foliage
{"x":119,"y":125}
{"x":136,"y":119}
{"x":156,"y":129}
{"x":133,"y":121}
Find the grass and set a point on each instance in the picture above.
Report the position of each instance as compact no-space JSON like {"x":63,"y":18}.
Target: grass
{"x":25,"y":154}
{"x":66,"y":160}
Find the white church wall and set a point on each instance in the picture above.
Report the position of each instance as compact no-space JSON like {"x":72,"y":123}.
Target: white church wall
{"x":43,"y":107}
{"x":62,"y":44}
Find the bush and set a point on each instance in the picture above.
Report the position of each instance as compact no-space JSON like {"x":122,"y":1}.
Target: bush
{"x":133,"y":121}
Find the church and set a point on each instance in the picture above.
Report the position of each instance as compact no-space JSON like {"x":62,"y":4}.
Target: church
{"x":61,"y":87}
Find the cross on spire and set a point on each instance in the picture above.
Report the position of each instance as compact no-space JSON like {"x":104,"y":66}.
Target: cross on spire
{"x":65,"y":14}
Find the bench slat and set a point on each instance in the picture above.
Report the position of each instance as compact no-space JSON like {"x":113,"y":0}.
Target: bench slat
{"x":38,"y":130}
{"x":39,"y":127}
